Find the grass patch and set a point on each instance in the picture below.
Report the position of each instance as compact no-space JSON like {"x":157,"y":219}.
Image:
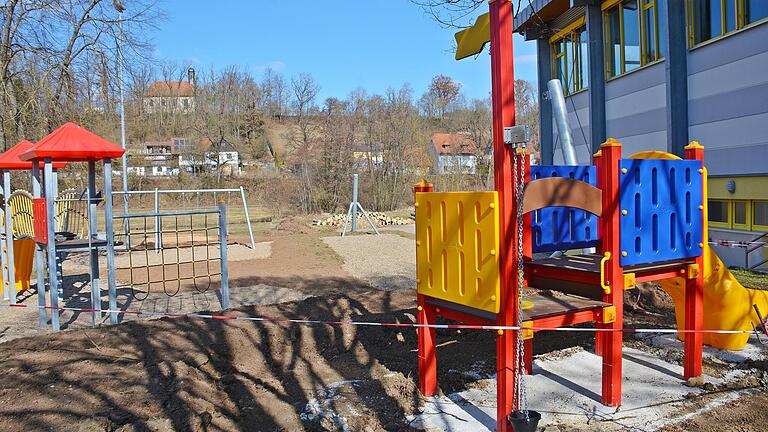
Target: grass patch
{"x":751,"y":279}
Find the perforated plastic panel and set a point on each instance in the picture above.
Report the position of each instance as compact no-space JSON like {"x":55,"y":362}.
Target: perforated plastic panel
{"x":457,"y":243}
{"x":562,"y":228}
{"x":661,"y":210}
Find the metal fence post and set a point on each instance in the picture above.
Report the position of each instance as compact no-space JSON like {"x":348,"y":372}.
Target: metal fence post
{"x":39,"y":254}
{"x":157,"y":222}
{"x":9,"y":236}
{"x":247,"y":217}
{"x":354,"y":201}
{"x":224,"y":259}
{"x":111,"y":281}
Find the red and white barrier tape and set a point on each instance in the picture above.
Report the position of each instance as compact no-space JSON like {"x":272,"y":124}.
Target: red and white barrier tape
{"x":367,"y":323}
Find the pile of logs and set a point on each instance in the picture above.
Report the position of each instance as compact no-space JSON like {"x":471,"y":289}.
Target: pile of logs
{"x":380,"y":219}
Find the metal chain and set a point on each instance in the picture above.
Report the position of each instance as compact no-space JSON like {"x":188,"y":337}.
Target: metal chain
{"x":520,"y":276}
{"x":518,"y":168}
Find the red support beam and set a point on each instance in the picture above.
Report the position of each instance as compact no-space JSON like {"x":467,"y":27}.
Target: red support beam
{"x":426,"y":337}
{"x":568,"y":319}
{"x":503,"y":98}
{"x":614,"y":276}
{"x":427,"y":350}
{"x":694,"y":293}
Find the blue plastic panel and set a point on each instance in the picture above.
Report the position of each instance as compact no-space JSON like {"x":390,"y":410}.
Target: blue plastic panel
{"x":663,"y":219}
{"x":563,"y":228}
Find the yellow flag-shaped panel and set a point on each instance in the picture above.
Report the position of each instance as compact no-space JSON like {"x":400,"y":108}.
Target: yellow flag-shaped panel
{"x":471,"y":41}
{"x":457,"y":243}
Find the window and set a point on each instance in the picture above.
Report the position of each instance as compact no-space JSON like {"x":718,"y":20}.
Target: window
{"x":719,"y":214}
{"x":634,"y":34}
{"x":570,"y":61}
{"x":755,"y":10}
{"x":709,"y":19}
{"x":760,"y":215}
{"x":740,"y":214}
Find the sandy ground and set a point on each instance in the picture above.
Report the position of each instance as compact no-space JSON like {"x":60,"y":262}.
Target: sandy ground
{"x":387,"y":261}
{"x":203,"y":375}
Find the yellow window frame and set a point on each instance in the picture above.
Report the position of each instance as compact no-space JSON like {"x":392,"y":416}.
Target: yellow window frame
{"x":570,"y":30}
{"x":729,"y":213}
{"x":755,"y":226}
{"x":741,"y":21}
{"x":643,"y":6}
{"x":747,"y":215}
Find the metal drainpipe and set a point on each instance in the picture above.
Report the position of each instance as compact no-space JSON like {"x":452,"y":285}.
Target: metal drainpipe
{"x":561,"y":119}
{"x":564,"y":131}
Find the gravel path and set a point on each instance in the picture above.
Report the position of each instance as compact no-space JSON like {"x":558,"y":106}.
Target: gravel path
{"x":386,"y":262}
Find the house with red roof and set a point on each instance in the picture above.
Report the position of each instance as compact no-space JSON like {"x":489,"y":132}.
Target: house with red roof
{"x":171,"y":96}
{"x":453,"y":153}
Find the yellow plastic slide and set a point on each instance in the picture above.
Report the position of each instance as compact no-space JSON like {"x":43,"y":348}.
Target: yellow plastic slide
{"x":727,"y":303}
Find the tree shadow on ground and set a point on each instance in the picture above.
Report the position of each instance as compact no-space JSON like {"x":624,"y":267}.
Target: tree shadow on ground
{"x":199,"y":375}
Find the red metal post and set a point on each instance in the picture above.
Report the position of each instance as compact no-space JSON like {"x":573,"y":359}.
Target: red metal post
{"x":503,"y":98}
{"x":427,"y":348}
{"x":694,"y":292}
{"x":614,"y":276}
{"x":597,"y":157}
{"x":427,"y":337}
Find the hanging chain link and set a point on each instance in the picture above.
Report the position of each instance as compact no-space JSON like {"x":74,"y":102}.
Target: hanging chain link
{"x":520,"y":277}
{"x":518,"y":168}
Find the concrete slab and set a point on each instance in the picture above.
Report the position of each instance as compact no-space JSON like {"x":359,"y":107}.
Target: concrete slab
{"x":566,"y":390}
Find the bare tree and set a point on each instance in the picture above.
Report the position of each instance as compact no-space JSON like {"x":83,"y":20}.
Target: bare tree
{"x":442,"y":93}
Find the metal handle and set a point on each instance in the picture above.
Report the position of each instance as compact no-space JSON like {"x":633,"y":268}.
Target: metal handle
{"x":603,"y":283}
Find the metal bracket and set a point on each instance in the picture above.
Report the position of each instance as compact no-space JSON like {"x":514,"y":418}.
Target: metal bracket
{"x":517,"y":135}
{"x":527,"y":333}
{"x":608,"y":315}
{"x":630,"y":281}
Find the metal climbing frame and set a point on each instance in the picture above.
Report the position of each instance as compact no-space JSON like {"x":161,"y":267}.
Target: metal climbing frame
{"x":186,"y":256}
{"x":157,"y":192}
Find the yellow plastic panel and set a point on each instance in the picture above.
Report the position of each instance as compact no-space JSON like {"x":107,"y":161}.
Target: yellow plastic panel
{"x":457,"y":243}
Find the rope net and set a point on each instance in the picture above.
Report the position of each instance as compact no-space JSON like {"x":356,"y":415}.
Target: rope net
{"x":170,"y":254}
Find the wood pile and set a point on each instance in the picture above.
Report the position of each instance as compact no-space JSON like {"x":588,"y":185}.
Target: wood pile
{"x":380,"y":219}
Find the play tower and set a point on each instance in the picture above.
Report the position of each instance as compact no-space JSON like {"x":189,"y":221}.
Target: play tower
{"x":643,"y":214}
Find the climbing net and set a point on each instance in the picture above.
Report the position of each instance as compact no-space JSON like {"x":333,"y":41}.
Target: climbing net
{"x":170,"y":252}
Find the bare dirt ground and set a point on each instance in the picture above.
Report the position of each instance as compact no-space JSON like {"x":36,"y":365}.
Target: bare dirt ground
{"x":205,"y":375}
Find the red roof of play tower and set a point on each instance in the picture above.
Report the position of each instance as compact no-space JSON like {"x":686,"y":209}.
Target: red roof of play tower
{"x":72,"y":143}
{"x":10,"y":160}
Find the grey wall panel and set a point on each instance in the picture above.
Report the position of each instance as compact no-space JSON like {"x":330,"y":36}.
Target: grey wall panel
{"x":579,"y":100}
{"x":647,"y":99}
{"x":744,"y":73}
{"x":635,"y":81}
{"x":638,"y":124}
{"x":732,"y":133}
{"x":649,"y":141}
{"x":728,"y":105}
{"x":747,"y":160}
{"x":730,"y":49}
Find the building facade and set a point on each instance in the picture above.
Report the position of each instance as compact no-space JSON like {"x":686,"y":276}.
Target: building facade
{"x":453,"y":153}
{"x":176,"y":97}
{"x":657,"y":74}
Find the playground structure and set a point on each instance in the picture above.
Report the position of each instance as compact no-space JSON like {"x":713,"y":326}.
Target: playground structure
{"x":645,"y":215}
{"x":17,"y":224}
{"x":60,"y":223}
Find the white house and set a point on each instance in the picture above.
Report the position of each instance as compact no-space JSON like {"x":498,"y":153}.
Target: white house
{"x":453,"y":153}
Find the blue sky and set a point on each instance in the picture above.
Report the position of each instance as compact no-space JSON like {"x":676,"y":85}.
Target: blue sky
{"x":344,"y":44}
